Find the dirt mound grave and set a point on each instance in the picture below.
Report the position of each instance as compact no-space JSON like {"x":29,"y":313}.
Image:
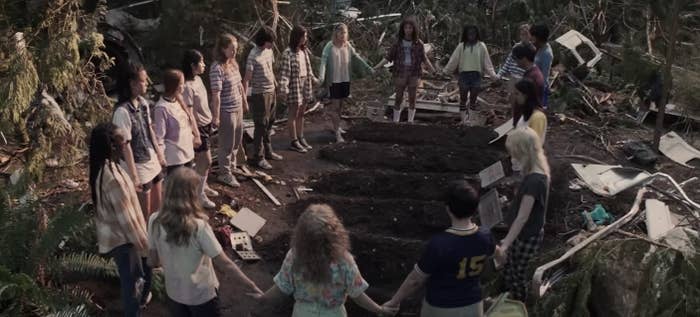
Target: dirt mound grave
{"x":445,"y":135}
{"x":422,"y":158}
{"x":385,"y":184}
{"x":407,"y":218}
{"x":385,"y":260}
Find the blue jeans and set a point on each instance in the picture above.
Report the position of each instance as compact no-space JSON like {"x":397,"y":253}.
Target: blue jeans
{"x":131,"y":268}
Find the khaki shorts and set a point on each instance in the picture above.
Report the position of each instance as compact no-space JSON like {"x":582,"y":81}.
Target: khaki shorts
{"x":473,"y":310}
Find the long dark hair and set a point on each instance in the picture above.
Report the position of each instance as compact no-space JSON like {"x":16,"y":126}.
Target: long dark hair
{"x":191,"y":57}
{"x":410,"y":21}
{"x":105,"y":143}
{"x":295,"y":38}
{"x":465,"y":34}
{"x":129,"y":73}
{"x":529,"y":89}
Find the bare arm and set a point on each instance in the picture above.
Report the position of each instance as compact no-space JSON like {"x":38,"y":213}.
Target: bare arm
{"x":273,"y":293}
{"x":413,"y":282}
{"x":244,"y":100}
{"x":381,"y":63}
{"x":222,"y":261}
{"x":131,"y":165}
{"x":488,"y":65}
{"x":246,"y":79}
{"x":524,"y":211}
{"x":215,"y":106}
{"x":367,"y":303}
{"x":454,"y":61}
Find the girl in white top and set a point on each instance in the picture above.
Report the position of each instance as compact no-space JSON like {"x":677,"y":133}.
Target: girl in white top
{"x":181,"y":240}
{"x":195,"y":97}
{"x":175,"y":129}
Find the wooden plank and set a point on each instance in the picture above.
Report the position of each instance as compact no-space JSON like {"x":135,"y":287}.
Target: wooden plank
{"x":262,"y":187}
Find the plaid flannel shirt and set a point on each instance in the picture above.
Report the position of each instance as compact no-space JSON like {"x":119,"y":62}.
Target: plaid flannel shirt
{"x":290,"y":84}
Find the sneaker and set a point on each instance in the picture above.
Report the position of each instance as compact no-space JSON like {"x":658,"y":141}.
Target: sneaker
{"x":296,"y":146}
{"x":303,"y":143}
{"x":339,"y":137}
{"x":146,"y":300}
{"x":273,"y":156}
{"x":264,"y":164}
{"x":206,"y":203}
{"x":228,"y":179}
{"x":210,"y":192}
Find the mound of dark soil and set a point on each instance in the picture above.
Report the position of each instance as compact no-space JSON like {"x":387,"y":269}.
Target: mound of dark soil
{"x":422,"y":158}
{"x":385,"y":184}
{"x":408,"y":218}
{"x":382,"y":132}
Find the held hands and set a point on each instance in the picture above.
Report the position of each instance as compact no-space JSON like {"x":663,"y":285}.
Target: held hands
{"x":501,"y":254}
{"x":390,"y":308}
{"x":256,"y":294}
{"x":197,"y":142}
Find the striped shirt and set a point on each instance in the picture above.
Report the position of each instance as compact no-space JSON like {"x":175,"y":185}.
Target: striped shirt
{"x":118,"y":213}
{"x":260,"y":64}
{"x":226,"y":83}
{"x":510,"y":66}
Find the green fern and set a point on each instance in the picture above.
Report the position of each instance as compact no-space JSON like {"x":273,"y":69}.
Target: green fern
{"x":83,"y":266}
{"x":64,"y":222}
{"x":77,"y":311}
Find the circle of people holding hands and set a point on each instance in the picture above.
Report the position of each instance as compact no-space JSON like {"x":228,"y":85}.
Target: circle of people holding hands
{"x":149,"y":169}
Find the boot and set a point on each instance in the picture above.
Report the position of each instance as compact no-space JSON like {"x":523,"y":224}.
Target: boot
{"x":411,"y":115}
{"x":339,"y":137}
{"x":397,"y":115}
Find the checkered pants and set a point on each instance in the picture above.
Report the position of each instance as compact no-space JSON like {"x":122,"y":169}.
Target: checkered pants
{"x":515,"y":271}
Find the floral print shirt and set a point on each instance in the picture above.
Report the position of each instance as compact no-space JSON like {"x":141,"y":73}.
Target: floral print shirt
{"x":345,"y":276}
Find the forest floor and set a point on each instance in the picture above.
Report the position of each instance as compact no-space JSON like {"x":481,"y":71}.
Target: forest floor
{"x":386,"y":183}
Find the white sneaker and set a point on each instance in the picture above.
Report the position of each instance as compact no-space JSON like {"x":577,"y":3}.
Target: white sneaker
{"x":339,"y":137}
{"x":210,"y":192}
{"x":206,"y":203}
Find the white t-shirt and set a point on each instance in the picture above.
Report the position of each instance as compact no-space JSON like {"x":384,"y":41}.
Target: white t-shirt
{"x":146,"y":171}
{"x":173,"y":132}
{"x":195,"y":95}
{"x":301,"y":57}
{"x":190,"y":278}
{"x":340,"y":59}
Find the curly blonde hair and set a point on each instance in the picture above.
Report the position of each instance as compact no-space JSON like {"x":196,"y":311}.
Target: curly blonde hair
{"x":319,"y":240}
{"x":181,"y":207}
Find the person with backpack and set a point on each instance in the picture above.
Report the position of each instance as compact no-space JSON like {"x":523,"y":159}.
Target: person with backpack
{"x":408,"y":56}
{"x":452,"y":263}
{"x":339,"y":61}
{"x":181,"y":241}
{"x":319,"y":271}
{"x":296,"y":85}
{"x":142,"y":158}
{"x":471,"y":61}
{"x":119,"y":222}
{"x":228,"y":103}
{"x":176,"y":131}
{"x":197,"y":101}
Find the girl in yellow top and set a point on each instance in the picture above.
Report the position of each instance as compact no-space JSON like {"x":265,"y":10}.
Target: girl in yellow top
{"x":471,"y":60}
{"x":528,"y":105}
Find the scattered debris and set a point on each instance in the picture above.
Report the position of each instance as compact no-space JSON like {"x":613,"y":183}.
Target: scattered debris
{"x":227,"y":211}
{"x":658,"y":218}
{"x":640,"y":152}
{"x":541,"y":285}
{"x":503,"y":130}
{"x":241,"y":244}
{"x":16,"y":176}
{"x":675,"y":148}
{"x":572,"y":40}
{"x":70,"y":184}
{"x":609,"y":180}
{"x":576,"y":184}
{"x":263,"y":188}
{"x":491,"y":174}
{"x":248,"y":221}
{"x":490,"y":212}
{"x":682,"y":239}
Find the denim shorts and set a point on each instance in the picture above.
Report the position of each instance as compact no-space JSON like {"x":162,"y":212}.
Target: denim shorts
{"x":468,"y":80}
